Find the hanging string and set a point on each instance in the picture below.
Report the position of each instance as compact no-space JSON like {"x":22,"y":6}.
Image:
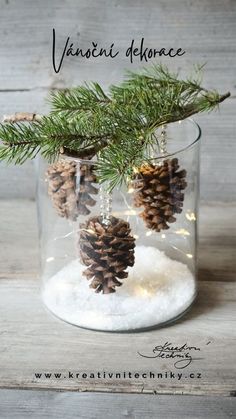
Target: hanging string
{"x":105,"y":204}
{"x":163,"y":140}
{"x":162,"y":144}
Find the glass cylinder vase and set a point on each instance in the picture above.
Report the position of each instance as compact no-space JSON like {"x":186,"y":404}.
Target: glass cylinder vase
{"x":124,"y":261}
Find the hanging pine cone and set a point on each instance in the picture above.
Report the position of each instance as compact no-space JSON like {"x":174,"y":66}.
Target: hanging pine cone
{"x":107,"y":251}
{"x":159,"y":191}
{"x":71,"y":199}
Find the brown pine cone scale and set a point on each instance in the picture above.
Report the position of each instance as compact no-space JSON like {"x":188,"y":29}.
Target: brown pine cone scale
{"x":107,"y":251}
{"x":159,"y":192}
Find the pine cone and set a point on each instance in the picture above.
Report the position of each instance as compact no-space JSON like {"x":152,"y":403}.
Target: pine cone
{"x":107,"y":251}
{"x":159,"y":191}
{"x":71,"y":199}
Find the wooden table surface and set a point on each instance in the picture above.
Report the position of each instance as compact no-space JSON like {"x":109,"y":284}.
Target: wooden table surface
{"x":35,"y":342}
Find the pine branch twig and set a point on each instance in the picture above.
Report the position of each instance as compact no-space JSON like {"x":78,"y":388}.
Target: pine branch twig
{"x":22,"y":117}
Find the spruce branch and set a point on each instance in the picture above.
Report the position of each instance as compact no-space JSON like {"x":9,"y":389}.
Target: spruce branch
{"x":70,"y":103}
{"x":20,"y":142}
{"x":117,"y":162}
{"x":118,"y":127}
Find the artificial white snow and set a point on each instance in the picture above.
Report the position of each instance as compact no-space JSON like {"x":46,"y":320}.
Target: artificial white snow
{"x":157,"y":289}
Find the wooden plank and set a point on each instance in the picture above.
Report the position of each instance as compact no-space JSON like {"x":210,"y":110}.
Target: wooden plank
{"x":205,"y":30}
{"x":22,"y":404}
{"x":19,"y":241}
{"x":217,"y":242}
{"x":18,"y":181}
{"x":217,"y":181}
{"x":34,"y":342}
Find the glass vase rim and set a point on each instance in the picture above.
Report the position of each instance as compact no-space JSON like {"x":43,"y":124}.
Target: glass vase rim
{"x":188,"y":146}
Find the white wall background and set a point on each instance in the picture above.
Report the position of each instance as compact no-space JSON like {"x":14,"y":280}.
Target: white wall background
{"x":204,"y":29}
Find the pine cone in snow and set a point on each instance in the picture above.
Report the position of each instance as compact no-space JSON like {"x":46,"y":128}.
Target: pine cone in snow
{"x":107,"y":251}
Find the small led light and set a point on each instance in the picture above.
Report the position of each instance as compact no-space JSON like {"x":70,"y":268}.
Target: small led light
{"x":129,"y":212}
{"x":189,"y":255}
{"x":163,"y":236}
{"x":145,"y":292}
{"x":141,"y":292}
{"x":130,"y":190}
{"x":122,"y":213}
{"x":182,"y":232}
{"x":50,"y":259}
{"x":190,"y":216}
{"x":148,"y":233}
